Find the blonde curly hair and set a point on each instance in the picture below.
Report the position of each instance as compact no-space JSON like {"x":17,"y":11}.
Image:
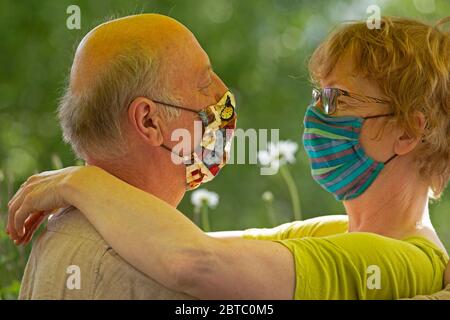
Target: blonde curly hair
{"x":410,"y":62}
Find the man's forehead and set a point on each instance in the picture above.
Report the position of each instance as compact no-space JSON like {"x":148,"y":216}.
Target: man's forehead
{"x":152,"y":32}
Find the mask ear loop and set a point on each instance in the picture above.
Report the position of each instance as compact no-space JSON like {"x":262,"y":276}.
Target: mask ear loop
{"x":168,"y":149}
{"x":388,"y":160}
{"x":379,"y":116}
{"x":186,"y":160}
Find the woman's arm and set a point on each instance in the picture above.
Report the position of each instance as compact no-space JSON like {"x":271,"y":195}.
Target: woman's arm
{"x":226,"y":234}
{"x":159,"y":240}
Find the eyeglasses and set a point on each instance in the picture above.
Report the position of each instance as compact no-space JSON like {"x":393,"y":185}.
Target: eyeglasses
{"x":225,"y":107}
{"x":326,"y":99}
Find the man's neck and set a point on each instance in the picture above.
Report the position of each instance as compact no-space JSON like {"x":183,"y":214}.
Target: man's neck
{"x":150,"y":180}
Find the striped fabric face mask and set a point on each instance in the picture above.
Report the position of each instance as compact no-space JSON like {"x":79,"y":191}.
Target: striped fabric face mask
{"x":338,"y":161}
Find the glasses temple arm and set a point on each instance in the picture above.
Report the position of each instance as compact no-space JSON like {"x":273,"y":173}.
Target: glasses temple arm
{"x":174,"y":106}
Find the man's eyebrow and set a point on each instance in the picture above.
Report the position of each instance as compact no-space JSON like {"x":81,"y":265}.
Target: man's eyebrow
{"x":209,"y":67}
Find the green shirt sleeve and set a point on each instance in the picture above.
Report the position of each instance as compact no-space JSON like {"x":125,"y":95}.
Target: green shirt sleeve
{"x":315,"y":227}
{"x":365,"y":266}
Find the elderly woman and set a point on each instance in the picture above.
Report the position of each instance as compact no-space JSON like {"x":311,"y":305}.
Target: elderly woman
{"x":378,"y":137}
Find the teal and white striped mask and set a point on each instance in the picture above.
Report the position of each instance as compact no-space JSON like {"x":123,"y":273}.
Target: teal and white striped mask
{"x":338,"y":161}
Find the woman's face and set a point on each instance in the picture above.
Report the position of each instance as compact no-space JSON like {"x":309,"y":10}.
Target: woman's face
{"x":377,"y":143}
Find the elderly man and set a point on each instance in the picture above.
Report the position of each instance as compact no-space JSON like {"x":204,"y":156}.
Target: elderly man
{"x":127,"y":78}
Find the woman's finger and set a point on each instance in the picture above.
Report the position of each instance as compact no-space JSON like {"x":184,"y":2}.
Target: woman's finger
{"x":21,"y":195}
{"x":17,"y":192}
{"x":30,"y":180}
{"x":18,"y":198}
{"x":26,"y":187}
{"x":11,"y":229}
{"x":43,"y":186}
{"x":14,"y":205}
{"x":21,"y":215}
{"x":31,"y":225}
{"x":31,"y":221}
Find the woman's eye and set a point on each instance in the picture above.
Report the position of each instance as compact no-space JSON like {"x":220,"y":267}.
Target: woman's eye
{"x":347,"y":103}
{"x":343,"y":105}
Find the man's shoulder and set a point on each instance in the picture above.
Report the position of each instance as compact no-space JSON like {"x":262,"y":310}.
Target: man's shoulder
{"x":71,"y":222}
{"x":119,"y":280}
{"x":71,"y":244}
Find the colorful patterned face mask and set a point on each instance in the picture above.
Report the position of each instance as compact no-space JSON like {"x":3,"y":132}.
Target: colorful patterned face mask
{"x":213,"y":152}
{"x":338,"y":161}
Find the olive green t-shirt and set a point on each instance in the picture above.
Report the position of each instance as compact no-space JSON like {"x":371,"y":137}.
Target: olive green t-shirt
{"x":331,"y":263}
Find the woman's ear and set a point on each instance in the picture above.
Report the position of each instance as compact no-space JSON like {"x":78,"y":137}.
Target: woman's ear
{"x":145,"y":120}
{"x":405,"y":143}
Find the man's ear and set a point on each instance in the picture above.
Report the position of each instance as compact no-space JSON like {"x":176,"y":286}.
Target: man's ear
{"x":145,"y":120}
{"x":405,"y":143}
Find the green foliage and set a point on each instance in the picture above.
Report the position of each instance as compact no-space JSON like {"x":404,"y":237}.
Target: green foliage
{"x":259,"y":48}
{"x":12,"y":259}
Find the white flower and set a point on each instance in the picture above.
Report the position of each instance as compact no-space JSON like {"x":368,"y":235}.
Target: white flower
{"x":278,"y":153}
{"x":267,"y":196}
{"x":287,"y":150}
{"x":203,"y":196}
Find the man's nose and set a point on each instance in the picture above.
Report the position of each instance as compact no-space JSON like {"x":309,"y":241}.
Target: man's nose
{"x":219,"y":87}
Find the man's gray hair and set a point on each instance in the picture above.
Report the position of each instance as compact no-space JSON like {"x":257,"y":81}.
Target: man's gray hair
{"x":92,"y":119}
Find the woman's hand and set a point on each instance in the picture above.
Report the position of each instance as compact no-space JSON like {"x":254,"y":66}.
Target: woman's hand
{"x":37,"y":197}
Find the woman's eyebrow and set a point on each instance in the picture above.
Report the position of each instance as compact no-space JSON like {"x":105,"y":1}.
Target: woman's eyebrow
{"x":334,"y":84}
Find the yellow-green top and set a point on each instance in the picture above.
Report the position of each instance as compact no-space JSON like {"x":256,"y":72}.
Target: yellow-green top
{"x":331,"y":263}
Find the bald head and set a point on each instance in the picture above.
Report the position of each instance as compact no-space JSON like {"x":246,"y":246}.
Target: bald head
{"x":157,"y":35}
{"x":147,"y":55}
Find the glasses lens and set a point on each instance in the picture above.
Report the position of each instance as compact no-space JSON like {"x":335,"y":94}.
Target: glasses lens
{"x":316,"y":97}
{"x":330,"y":96}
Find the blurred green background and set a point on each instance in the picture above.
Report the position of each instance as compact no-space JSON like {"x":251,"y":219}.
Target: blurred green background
{"x":259,"y":48}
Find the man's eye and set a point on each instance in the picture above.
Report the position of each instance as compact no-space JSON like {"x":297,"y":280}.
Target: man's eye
{"x":206,"y":87}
